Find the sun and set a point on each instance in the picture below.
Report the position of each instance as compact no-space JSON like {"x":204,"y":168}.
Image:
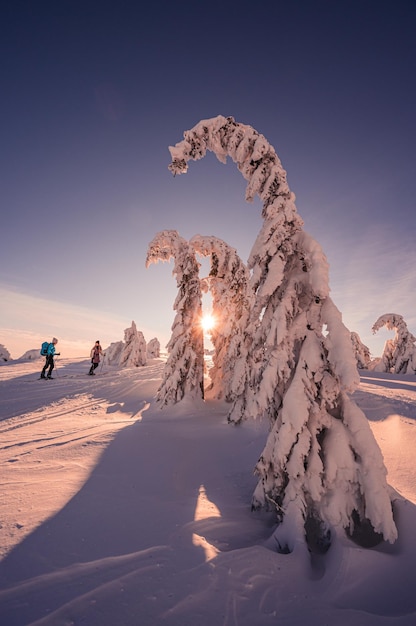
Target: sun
{"x":207,"y":322}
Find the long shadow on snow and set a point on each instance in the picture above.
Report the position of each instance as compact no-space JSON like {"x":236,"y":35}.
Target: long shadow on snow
{"x":389,"y":381}
{"x":136,"y":511}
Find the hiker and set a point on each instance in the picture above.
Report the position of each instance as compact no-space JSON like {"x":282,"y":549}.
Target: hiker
{"x":49,"y":359}
{"x":96,"y":353}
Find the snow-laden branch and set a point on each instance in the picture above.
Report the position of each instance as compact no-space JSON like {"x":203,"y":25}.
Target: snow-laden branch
{"x":255,"y":157}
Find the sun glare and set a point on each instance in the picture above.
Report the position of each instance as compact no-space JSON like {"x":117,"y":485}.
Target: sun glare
{"x":207,"y":322}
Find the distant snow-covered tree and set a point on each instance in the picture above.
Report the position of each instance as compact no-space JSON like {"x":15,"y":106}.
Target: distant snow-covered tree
{"x":133,"y":353}
{"x":399,"y":354}
{"x":113,"y":353}
{"x":384,"y":363}
{"x":321,"y":465}
{"x":362,"y":353}
{"x":184,"y":370}
{"x":31,"y":355}
{"x":4,"y":353}
{"x":153,"y":348}
{"x":231,"y":303}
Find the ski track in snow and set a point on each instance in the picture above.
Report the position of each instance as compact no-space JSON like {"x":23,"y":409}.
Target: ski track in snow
{"x":74,"y":413}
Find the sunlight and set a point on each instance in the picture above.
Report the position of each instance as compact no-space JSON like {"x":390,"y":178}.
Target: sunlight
{"x":207,"y":322}
{"x":205,"y":509}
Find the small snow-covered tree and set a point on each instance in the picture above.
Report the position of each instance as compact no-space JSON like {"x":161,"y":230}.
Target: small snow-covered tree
{"x":184,"y":370}
{"x":399,"y":354}
{"x":384,"y":363}
{"x":231,"y":303}
{"x":133,"y":353}
{"x":153,"y":348}
{"x":113,"y":353}
{"x":362,"y":353}
{"x":4,"y":353}
{"x":30,"y":355}
{"x":321,"y":465}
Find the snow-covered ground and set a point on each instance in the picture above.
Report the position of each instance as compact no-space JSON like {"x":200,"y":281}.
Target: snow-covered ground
{"x":116,"y":513}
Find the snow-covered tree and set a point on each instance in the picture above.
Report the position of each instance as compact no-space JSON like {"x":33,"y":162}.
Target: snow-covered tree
{"x":399,"y":354}
{"x":321,"y":466}
{"x":113,"y":353}
{"x":184,"y":370}
{"x":31,"y":355}
{"x":362,"y":353}
{"x":153,"y":348}
{"x":384,"y":363}
{"x":4,"y":353}
{"x":231,"y":303}
{"x":133,"y":353}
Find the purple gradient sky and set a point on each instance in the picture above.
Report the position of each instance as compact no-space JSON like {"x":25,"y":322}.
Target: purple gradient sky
{"x":92,"y":95}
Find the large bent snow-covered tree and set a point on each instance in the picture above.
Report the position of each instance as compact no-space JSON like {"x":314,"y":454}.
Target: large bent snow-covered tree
{"x":231,"y":303}
{"x":399,"y":354}
{"x":321,"y":466}
{"x":184,"y":370}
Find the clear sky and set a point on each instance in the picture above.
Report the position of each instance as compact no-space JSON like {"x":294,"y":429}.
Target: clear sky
{"x":94,"y":92}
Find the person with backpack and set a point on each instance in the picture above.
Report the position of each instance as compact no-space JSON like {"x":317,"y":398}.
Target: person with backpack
{"x":96,"y":353}
{"x":49,"y":363}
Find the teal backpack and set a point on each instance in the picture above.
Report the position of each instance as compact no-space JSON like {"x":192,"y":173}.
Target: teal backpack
{"x":44,"y":348}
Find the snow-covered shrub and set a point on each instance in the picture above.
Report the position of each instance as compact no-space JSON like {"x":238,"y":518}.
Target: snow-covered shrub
{"x":113,"y":353}
{"x":153,"y":348}
{"x":374,"y":364}
{"x":133,"y":353}
{"x":362,"y":353}
{"x":321,"y":466}
{"x":399,"y":354}
{"x":4,"y":353}
{"x":31,"y":355}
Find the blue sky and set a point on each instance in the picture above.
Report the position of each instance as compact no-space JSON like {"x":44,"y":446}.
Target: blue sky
{"x":93,"y":93}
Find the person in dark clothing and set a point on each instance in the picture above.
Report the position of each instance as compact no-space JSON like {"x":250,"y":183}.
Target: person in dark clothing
{"x":49,"y":362}
{"x":96,"y":353}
